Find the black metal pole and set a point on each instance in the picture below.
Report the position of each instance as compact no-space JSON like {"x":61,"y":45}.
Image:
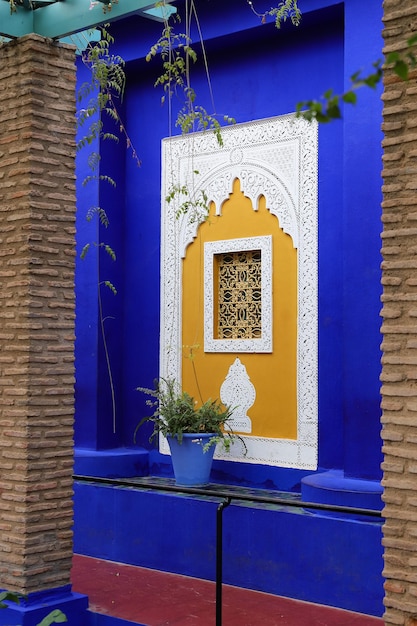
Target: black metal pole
{"x":219,"y":560}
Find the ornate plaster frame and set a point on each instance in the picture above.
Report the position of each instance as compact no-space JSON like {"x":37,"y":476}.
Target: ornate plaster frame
{"x":276,"y":158}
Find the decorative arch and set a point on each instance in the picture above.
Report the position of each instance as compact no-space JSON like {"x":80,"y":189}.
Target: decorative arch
{"x":255,"y":181}
{"x":275,"y":158}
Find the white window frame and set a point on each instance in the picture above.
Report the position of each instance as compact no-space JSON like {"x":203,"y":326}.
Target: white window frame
{"x":211,"y":248}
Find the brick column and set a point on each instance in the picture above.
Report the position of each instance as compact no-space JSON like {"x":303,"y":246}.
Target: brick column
{"x":37,"y":250}
{"x":399,"y":374}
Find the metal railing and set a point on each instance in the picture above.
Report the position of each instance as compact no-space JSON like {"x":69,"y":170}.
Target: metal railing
{"x":226,"y":498}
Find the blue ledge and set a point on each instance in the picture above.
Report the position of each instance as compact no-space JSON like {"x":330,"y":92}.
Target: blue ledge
{"x":333,"y":487}
{"x":113,"y":463}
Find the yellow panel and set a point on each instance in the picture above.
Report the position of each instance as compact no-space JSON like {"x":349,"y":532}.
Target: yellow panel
{"x":274,"y":375}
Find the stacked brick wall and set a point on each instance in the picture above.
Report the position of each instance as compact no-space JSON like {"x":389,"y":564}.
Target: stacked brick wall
{"x":399,"y":327}
{"x":37,"y":255}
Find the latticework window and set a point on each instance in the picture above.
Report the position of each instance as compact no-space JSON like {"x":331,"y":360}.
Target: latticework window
{"x":239,"y":295}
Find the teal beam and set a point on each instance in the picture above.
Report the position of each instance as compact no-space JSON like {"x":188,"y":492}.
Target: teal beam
{"x":65,"y":18}
{"x":81,"y":40}
{"x":71,"y":16}
{"x":160,"y":13}
{"x":16,"y":24}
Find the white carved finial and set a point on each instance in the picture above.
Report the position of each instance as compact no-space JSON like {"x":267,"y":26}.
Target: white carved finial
{"x":238,"y":392}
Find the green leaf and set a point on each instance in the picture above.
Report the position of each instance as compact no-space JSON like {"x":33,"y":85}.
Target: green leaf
{"x":350,"y":97}
{"x":110,"y":286}
{"x":109,"y":251}
{"x":392,"y":57}
{"x":84,"y":251}
{"x":55,"y":617}
{"x":10,"y":597}
{"x":333,"y":113}
{"x":401,"y":69}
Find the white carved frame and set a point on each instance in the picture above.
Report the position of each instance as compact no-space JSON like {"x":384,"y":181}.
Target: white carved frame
{"x":276,"y":158}
{"x":264,"y":343}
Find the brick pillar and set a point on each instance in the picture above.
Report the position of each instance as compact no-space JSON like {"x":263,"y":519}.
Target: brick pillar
{"x":399,"y":374}
{"x":37,"y":249}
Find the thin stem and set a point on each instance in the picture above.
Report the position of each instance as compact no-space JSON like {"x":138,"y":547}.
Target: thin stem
{"x":203,"y":51}
{"x":107,"y":356}
{"x":196,"y":381}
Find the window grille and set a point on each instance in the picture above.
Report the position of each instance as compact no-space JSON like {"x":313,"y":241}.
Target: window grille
{"x":239,"y":314}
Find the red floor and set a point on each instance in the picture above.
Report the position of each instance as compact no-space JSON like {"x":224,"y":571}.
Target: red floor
{"x":159,"y":599}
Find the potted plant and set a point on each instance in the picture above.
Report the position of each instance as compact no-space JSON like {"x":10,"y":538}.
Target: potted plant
{"x":192,"y":431}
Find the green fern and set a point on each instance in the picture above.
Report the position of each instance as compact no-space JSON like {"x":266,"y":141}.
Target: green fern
{"x":101,"y":213}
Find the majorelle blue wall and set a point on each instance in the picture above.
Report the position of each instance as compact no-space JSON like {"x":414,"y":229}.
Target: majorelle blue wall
{"x":256,"y":72}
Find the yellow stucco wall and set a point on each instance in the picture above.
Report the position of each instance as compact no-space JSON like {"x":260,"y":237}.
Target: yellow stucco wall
{"x":274,"y":413}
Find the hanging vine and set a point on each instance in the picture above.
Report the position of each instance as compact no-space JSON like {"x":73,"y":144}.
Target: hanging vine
{"x":103,"y":90}
{"x":175,"y":49}
{"x":288,"y":9}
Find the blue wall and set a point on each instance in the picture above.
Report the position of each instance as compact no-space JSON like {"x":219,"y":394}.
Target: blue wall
{"x":333,"y":561}
{"x":361,"y":242}
{"x":256,"y":72}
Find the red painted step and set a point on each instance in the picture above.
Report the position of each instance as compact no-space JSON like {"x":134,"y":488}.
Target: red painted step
{"x":158,"y":598}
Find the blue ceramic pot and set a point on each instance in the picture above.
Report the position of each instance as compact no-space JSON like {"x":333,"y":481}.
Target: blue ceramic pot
{"x":192,"y":466}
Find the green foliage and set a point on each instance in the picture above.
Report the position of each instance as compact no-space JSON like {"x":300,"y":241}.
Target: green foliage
{"x":109,"y":250}
{"x":104,"y":246}
{"x":85,"y":250}
{"x":402,"y":64}
{"x":178,"y":56}
{"x":196,"y":118}
{"x":195,"y":203}
{"x":104,"y":221}
{"x":107,"y":83}
{"x":175,"y":412}
{"x":102,"y":177}
{"x":101,"y":213}
{"x":287,"y":9}
{"x":109,"y":285}
{"x":176,"y":53}
{"x":107,"y":71}
{"x":9,"y":596}
{"x":105,"y":87}
{"x":55,"y":617}
{"x":329,"y":107}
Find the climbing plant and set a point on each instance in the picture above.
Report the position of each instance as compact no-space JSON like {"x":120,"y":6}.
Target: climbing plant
{"x":100,"y":96}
